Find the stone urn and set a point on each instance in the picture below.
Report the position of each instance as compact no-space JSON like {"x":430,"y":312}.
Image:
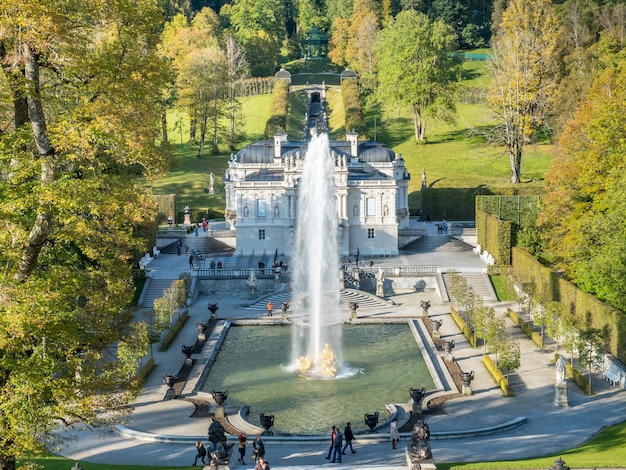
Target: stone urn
{"x":417,"y":395}
{"x":201,"y":327}
{"x":371,"y":420}
{"x":213,"y":309}
{"x":284,"y":306}
{"x":559,"y":464}
{"x":187,"y":351}
{"x":425,"y":304}
{"x":436,"y":325}
{"x":467,"y":378}
{"x":353,"y":307}
{"x":219,"y":397}
{"x":170,"y":381}
{"x":267,"y":421}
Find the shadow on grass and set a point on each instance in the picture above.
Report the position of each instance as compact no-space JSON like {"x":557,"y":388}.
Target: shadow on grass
{"x":476,"y":135}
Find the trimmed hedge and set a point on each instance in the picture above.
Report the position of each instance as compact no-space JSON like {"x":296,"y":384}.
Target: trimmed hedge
{"x":578,"y":378}
{"x":494,"y":235}
{"x":587,"y":311}
{"x":352,"y":106}
{"x":467,"y":332}
{"x":497,"y":375}
{"x":169,"y":338}
{"x":279,"y":111}
{"x":525,"y":327}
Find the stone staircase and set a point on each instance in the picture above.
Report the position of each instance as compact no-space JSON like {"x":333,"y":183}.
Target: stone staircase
{"x":155,"y":290}
{"x":435,"y":243}
{"x":202,"y":243}
{"x":478,"y":282}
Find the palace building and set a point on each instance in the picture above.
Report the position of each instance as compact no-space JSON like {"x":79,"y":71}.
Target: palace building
{"x":371,"y":189}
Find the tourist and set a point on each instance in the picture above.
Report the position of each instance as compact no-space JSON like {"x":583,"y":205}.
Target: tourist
{"x":200,"y":453}
{"x":258,"y":448}
{"x":356,"y":257}
{"x":428,"y":218}
{"x":270,"y":307}
{"x":262,"y":464}
{"x":242,"y":447}
{"x":347,"y":433}
{"x":179,"y":246}
{"x":337,"y":447}
{"x":190,"y":261}
{"x":393,"y":433}
{"x":333,"y":433}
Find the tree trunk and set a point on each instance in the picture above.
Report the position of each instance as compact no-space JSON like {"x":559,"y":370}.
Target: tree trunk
{"x":418,"y":124}
{"x":192,"y":131}
{"x":203,"y":123}
{"x":515,"y":160}
{"x":215,"y":124}
{"x":7,"y":463}
{"x":164,"y":138}
{"x":43,"y":222}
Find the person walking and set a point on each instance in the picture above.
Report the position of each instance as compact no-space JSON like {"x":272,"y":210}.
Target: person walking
{"x":393,"y":433}
{"x":337,"y":447}
{"x":190,"y":261}
{"x":258,"y":448}
{"x":333,"y":433}
{"x":262,"y":464}
{"x":200,"y":453}
{"x":349,"y":437}
{"x":270,"y":307}
{"x":242,"y":447}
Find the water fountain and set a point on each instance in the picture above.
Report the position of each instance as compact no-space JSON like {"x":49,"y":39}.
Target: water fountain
{"x":316,"y":339}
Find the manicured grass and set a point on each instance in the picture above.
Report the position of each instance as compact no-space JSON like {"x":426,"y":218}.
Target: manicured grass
{"x":502,"y":288}
{"x":606,"y":450}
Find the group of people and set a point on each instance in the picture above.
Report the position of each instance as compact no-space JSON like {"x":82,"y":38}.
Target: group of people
{"x":218,"y":452}
{"x":337,"y":446}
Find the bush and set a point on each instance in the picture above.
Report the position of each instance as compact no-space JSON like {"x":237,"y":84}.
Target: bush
{"x":497,"y":375}
{"x":277,"y":122}
{"x":525,"y":327}
{"x":467,"y":332}
{"x":171,"y":335}
{"x":578,"y":378}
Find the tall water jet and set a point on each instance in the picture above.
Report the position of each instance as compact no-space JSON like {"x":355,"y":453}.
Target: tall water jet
{"x":316,"y":340}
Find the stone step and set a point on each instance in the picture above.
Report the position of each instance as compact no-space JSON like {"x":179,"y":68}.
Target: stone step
{"x":440,"y":242}
{"x":478,"y":282}
{"x":155,"y":290}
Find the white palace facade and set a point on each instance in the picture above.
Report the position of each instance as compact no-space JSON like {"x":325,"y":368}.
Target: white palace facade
{"x":371,"y":186}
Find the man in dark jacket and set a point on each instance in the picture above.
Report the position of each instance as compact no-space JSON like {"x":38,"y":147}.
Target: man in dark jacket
{"x":347,"y":434}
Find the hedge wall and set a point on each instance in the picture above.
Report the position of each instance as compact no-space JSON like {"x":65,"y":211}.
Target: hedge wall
{"x":352,"y":106}
{"x":279,"y":111}
{"x":494,"y":235}
{"x":589,"y":311}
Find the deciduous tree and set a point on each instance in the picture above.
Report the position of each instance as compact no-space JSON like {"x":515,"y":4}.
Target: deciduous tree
{"x":71,"y":205}
{"x":416,"y":67}
{"x":524,"y":75}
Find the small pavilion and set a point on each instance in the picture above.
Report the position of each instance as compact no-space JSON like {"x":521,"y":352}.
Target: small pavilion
{"x":315,"y":44}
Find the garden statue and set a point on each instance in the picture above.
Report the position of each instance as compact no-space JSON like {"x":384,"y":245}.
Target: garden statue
{"x":252,"y":279}
{"x":560,"y":387}
{"x":212,"y":184}
{"x":560,"y":370}
{"x":216,"y":434}
{"x":380,"y":282}
{"x":420,"y":442}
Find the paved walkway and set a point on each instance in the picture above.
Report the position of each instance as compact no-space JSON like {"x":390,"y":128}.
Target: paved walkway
{"x":164,"y":433}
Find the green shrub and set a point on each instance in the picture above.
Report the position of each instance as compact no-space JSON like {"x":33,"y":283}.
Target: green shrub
{"x":497,"y":375}
{"x":171,"y":335}
{"x":578,"y":378}
{"x":467,"y":332}
{"x":525,"y":327}
{"x":279,"y":111}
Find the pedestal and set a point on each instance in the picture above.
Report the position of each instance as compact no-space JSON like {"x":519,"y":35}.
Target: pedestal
{"x":448,"y":357}
{"x":187,"y":219}
{"x":188,"y":361}
{"x":219,"y":412}
{"x":436,"y":334}
{"x":560,"y":395}
{"x":467,"y":390}
{"x":420,"y":464}
{"x":170,"y":394}
{"x":380,"y":290}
